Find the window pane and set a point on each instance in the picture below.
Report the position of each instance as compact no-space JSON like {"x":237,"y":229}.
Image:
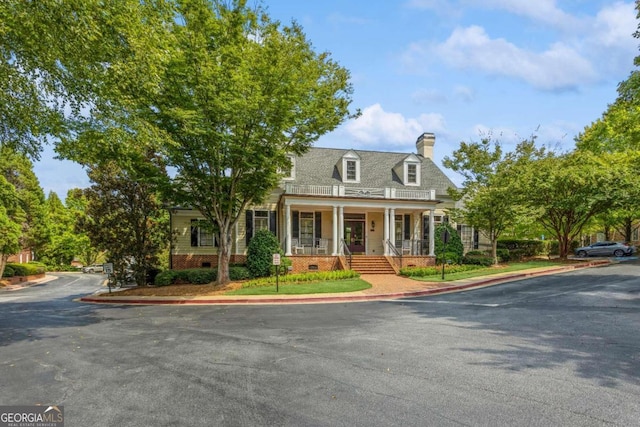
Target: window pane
{"x":351,"y":170}
{"x":412,"y":175}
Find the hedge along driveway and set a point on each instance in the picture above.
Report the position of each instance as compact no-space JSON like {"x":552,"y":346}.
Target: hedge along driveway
{"x":484,"y":271}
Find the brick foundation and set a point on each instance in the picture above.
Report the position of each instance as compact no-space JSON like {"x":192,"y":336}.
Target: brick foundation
{"x":415,"y":261}
{"x":182,"y":262}
{"x":304,"y":263}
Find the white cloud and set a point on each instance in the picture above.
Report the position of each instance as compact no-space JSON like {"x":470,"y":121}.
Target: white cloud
{"x":545,"y":11}
{"x":376,"y":127}
{"x":559,"y":67}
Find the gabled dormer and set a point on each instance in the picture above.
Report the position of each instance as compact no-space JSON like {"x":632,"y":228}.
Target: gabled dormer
{"x":290,"y":173}
{"x":409,"y":170}
{"x":349,"y":167}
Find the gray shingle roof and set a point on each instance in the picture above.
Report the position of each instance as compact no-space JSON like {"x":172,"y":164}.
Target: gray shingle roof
{"x":318,"y":167}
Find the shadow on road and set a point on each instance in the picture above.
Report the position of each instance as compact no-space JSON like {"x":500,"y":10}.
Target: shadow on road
{"x":590,"y":321}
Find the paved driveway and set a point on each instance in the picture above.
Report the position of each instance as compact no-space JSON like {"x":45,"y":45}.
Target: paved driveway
{"x":561,"y":350}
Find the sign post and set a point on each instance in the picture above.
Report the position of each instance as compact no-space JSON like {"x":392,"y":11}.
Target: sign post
{"x":445,"y":240}
{"x":276,"y":262}
{"x":108,"y":268}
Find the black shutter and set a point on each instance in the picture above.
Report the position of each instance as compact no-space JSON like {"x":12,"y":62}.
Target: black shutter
{"x":318,"y":219}
{"x":476,"y":239}
{"x":407,"y":227}
{"x":249,"y":226}
{"x":272,"y":223}
{"x":296,"y":224}
{"x":194,"y":232}
{"x":425,"y":227}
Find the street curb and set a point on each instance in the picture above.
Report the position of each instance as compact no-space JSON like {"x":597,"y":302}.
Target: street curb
{"x":339,"y":299}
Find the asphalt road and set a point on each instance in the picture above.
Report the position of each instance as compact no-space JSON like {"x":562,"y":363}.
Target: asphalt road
{"x":554,"y":350}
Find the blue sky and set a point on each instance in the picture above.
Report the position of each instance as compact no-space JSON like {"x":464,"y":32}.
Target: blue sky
{"x":457,"y":68}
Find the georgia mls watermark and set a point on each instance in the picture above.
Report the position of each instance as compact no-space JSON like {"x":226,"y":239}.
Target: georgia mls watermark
{"x":32,"y":416}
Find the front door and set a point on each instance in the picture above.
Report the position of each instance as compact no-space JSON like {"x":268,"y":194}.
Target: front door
{"x":354,"y":235}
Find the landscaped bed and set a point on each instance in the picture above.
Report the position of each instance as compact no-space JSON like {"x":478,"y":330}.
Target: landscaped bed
{"x":458,"y":272}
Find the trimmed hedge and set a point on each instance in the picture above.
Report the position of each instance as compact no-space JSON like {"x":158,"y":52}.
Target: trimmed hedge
{"x":198,"y":276}
{"x":30,"y":269}
{"x":483,"y":260}
{"x":8,"y":272}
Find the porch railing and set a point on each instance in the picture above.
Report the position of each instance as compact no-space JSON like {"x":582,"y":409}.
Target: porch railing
{"x":347,"y":252}
{"x":362,"y":192}
{"x":394,"y":251}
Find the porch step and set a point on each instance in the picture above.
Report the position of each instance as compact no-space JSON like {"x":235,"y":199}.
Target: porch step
{"x":365,"y":264}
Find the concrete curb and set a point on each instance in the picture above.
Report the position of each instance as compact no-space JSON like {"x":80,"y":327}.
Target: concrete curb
{"x":334,"y":298}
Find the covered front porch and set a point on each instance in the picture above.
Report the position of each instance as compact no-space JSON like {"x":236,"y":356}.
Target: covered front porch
{"x":337,"y":227}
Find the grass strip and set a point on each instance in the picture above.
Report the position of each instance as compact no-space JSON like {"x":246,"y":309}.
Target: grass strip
{"x":487,"y":271}
{"x":336,"y":286}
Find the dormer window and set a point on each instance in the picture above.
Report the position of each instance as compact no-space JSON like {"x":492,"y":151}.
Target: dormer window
{"x":290,"y":173}
{"x":349,"y":167}
{"x":351,"y":170}
{"x":412,"y":174}
{"x":408,"y":170}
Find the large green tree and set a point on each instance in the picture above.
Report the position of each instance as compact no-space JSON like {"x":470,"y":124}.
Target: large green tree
{"x":236,"y":93}
{"x":125,"y":218}
{"x":566,"y":191}
{"x":61,"y":60}
{"x":11,"y":220}
{"x":488,"y":202}
{"x":17,"y":169}
{"x":240,"y":93}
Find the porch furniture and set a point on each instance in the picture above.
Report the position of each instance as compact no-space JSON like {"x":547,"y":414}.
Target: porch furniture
{"x":297,"y":247}
{"x":323,"y":245}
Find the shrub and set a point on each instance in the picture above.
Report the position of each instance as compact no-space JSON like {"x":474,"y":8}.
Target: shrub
{"x":519,"y":249}
{"x":201,"y":276}
{"x":239,"y":272}
{"x":503,"y":255}
{"x":260,"y":253}
{"x":164,"y":278}
{"x":29,"y":269}
{"x":455,"y":249}
{"x":476,"y":253}
{"x":483,"y":260}
{"x":8,"y":272}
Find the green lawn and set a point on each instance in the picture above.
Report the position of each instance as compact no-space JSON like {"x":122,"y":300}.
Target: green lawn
{"x":516,"y":266}
{"x":348,"y":285}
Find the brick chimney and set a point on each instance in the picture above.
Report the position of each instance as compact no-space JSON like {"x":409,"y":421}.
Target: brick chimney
{"x":424,"y":145}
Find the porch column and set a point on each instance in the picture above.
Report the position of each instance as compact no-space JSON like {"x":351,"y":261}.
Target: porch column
{"x":386,"y":231}
{"x":287,"y":228}
{"x":416,"y":233}
{"x":392,"y":227}
{"x":334,"y":225}
{"x":432,"y":232}
{"x":340,"y":229}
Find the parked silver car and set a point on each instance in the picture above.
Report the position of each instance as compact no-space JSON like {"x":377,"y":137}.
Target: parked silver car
{"x":95,"y":268}
{"x":606,"y":249}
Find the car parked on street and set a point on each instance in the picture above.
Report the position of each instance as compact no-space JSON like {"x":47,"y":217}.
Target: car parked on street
{"x":616,"y":249}
{"x":93,"y":268}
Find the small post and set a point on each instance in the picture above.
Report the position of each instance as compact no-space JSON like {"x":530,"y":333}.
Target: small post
{"x":445,"y":240}
{"x":276,"y":262}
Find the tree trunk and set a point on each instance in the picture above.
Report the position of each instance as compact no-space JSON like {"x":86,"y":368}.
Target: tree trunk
{"x":607,"y":232}
{"x":628,"y":230}
{"x":563,"y":246}
{"x":224,"y":256}
{"x":494,"y":250}
{"x":3,"y":263}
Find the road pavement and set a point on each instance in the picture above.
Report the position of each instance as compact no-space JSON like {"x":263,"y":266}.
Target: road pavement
{"x":552,"y":350}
